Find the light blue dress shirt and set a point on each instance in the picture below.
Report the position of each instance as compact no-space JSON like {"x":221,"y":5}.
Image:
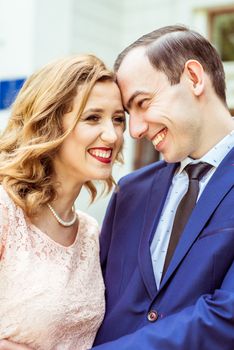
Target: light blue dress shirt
{"x":176,"y":192}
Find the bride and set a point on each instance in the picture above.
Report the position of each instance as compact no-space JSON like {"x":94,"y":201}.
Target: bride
{"x":65,"y":131}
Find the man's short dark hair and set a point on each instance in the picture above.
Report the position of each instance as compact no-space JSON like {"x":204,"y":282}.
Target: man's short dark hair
{"x":169,"y":48}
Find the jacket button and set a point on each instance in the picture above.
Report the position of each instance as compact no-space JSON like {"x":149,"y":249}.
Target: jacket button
{"x":152,"y":316}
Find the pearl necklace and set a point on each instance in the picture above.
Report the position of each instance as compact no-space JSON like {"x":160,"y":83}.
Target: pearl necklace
{"x":61,"y":221}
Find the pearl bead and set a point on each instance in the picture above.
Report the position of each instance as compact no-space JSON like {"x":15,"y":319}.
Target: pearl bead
{"x":61,"y":221}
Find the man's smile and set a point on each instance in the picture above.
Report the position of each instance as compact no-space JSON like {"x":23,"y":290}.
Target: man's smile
{"x":159,"y":137}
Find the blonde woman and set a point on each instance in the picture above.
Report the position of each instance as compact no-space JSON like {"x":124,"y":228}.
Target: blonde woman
{"x":66,"y":130}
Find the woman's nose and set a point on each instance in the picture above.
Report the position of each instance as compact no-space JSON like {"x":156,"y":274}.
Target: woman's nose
{"x":109,"y":134}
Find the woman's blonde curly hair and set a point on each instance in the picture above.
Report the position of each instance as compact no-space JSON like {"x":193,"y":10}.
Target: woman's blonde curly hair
{"x":34,"y":132}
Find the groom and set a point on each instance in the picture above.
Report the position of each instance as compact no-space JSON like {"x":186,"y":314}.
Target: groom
{"x":167,"y":244}
{"x":168,"y":255}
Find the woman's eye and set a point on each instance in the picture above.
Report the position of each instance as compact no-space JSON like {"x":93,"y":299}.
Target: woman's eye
{"x":93,"y":118}
{"x":120,"y":120}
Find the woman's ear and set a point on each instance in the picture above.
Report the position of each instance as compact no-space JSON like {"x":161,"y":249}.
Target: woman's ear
{"x":195,"y":73}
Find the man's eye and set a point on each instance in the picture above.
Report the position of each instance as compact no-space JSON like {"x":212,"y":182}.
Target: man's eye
{"x":142,"y":103}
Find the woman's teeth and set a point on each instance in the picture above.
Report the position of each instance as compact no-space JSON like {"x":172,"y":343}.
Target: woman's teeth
{"x":102,"y":154}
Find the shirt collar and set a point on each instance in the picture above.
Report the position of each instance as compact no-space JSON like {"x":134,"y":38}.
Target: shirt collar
{"x":214,"y":156}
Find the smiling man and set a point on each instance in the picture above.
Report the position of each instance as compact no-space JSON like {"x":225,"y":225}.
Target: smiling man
{"x":167,"y":244}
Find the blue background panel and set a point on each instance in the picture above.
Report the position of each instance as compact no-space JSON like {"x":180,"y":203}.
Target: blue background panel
{"x":8,"y":91}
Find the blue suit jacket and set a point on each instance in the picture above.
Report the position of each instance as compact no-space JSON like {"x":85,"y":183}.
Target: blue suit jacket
{"x":195,"y":301}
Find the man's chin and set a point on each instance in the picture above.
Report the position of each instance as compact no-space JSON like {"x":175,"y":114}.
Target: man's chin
{"x":171,"y":158}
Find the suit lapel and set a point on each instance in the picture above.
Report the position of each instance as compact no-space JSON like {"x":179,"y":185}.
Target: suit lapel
{"x":219,"y":184}
{"x":156,"y":199}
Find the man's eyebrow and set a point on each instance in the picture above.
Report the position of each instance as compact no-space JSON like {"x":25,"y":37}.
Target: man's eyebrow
{"x":134,"y":95}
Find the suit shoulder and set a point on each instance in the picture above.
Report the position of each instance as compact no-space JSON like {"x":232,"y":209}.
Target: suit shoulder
{"x":142,"y":174}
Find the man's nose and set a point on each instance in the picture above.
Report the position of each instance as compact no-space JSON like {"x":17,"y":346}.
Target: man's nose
{"x":137,"y":127}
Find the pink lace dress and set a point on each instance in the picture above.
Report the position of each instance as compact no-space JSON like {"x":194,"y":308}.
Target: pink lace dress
{"x":51,"y":296}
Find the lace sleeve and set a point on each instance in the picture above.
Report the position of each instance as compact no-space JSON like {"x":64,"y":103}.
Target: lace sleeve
{"x":4,"y":225}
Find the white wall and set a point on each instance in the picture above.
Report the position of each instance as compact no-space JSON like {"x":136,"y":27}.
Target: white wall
{"x":16,"y":42}
{"x":32,"y":32}
{"x":97,"y":27}
{"x":142,"y":16}
{"x":16,"y":37}
{"x":52,"y":30}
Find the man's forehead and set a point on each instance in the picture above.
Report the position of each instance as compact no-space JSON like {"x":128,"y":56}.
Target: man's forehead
{"x":136,"y":72}
{"x":133,"y":58}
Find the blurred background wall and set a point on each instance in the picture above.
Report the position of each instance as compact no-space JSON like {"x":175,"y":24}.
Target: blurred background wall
{"x":34,"y":32}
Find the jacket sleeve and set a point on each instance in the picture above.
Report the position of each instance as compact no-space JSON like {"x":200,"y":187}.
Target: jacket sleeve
{"x":105,"y":237}
{"x":209,"y":324}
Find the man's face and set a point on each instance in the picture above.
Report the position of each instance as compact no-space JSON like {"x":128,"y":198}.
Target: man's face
{"x":168,"y":115}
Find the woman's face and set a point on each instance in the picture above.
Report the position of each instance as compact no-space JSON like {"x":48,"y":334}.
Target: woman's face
{"x":89,"y":151}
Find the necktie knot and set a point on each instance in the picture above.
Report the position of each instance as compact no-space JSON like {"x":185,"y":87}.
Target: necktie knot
{"x":197,"y":171}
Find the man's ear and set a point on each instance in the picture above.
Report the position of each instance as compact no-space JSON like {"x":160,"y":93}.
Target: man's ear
{"x":195,"y":73}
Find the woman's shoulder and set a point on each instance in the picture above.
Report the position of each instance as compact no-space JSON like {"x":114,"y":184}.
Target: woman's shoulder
{"x":7,"y":212}
{"x":5,"y":199}
{"x":87,"y":221}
